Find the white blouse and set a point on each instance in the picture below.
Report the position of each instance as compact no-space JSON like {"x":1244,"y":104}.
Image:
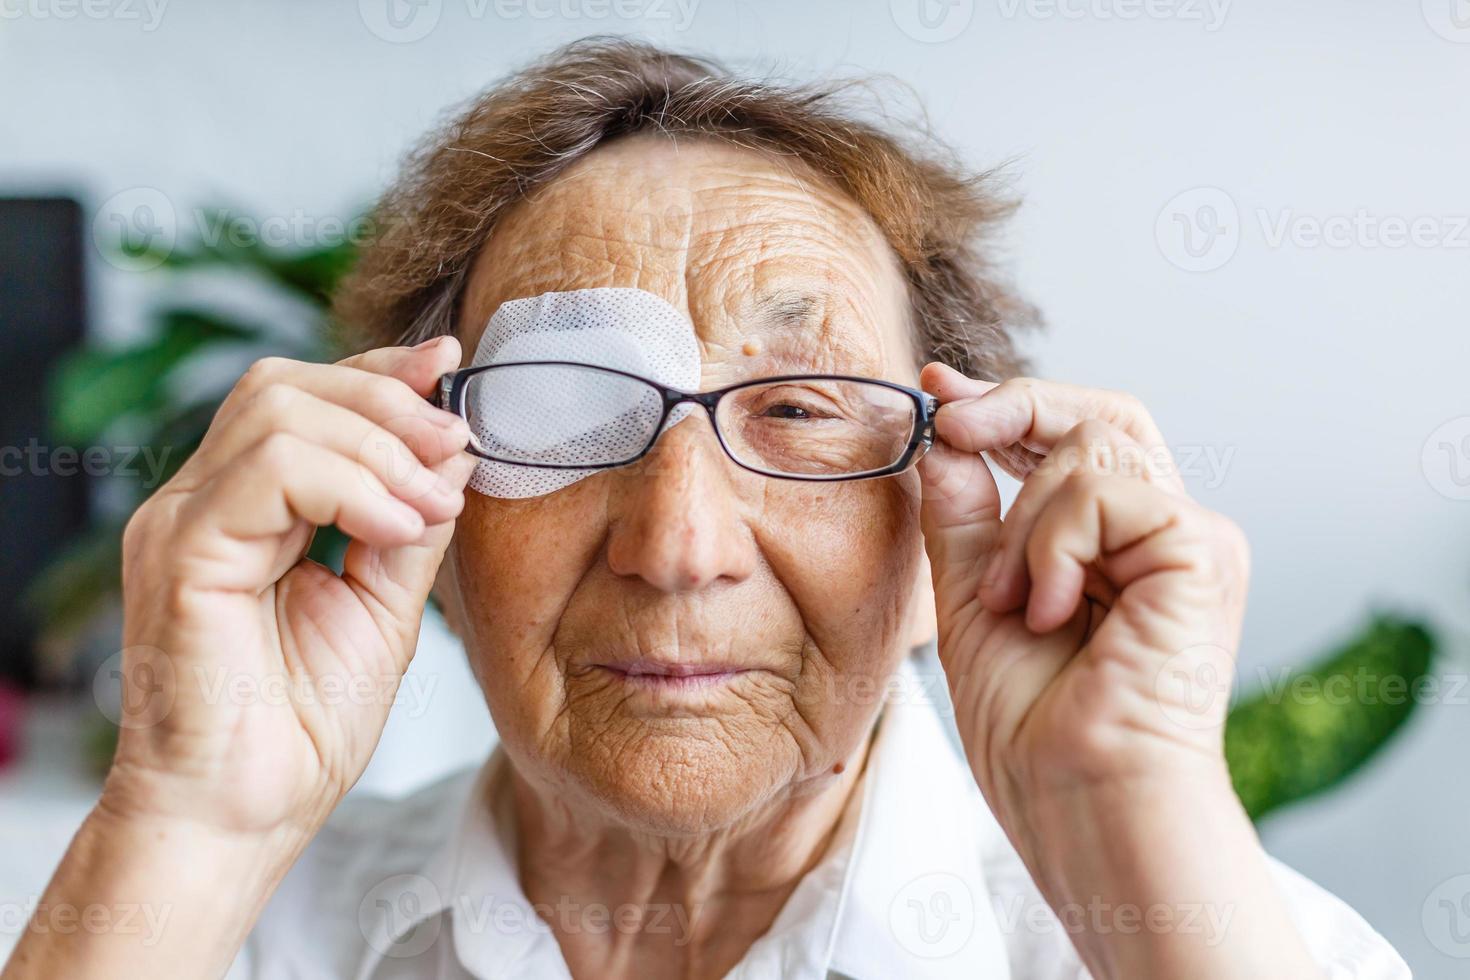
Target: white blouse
{"x":919,"y":882}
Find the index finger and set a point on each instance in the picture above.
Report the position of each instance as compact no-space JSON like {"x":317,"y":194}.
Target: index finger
{"x":982,"y":416}
{"x":418,"y":367}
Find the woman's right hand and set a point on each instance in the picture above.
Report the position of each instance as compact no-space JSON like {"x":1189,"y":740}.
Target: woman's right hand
{"x":256,"y":682}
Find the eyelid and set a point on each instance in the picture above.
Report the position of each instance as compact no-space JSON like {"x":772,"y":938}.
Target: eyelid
{"x":805,"y":387}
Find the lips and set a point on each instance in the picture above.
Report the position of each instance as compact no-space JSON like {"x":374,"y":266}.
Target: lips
{"x":659,"y":668}
{"x":672,"y":677}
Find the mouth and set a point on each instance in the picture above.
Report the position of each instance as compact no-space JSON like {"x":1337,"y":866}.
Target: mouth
{"x":662,"y":675}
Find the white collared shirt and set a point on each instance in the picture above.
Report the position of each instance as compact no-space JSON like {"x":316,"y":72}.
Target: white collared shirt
{"x":919,"y":881}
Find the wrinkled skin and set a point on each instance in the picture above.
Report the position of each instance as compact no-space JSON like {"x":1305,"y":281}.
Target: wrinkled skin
{"x":684,"y":556}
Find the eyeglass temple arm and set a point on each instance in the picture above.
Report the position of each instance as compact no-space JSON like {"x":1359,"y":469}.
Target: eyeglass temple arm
{"x":443,"y":394}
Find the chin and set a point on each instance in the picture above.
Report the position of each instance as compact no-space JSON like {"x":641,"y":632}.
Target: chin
{"x":671,"y":780}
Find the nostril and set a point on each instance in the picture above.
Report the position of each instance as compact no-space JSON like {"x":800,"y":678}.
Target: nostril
{"x":689,"y":579}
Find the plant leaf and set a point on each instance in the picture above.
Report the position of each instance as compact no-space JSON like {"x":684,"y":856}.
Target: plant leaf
{"x":94,"y":387}
{"x":1323,"y":723}
{"x":78,"y":582}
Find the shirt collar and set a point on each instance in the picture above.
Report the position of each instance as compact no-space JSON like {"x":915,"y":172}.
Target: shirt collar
{"x":466,"y":900}
{"x":916,"y":902}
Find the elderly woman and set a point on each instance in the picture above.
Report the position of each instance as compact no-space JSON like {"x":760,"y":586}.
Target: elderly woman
{"x":668,"y":328}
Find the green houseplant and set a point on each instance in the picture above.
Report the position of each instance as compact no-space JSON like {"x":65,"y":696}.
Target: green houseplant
{"x":145,"y":395}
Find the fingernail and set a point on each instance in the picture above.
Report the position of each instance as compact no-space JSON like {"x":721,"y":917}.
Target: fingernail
{"x":426,"y":344}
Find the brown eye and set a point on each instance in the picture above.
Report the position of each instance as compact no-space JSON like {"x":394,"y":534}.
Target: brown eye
{"x":784,"y":411}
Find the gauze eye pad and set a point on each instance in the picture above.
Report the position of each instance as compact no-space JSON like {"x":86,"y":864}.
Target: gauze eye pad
{"x":562,"y":415}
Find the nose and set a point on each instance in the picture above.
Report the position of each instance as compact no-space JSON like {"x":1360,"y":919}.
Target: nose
{"x":677,"y":523}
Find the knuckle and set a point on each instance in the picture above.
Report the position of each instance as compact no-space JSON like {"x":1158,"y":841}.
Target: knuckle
{"x":1199,"y":536}
{"x":1084,"y":484}
{"x":387,"y":398}
{"x":381,"y":449}
{"x":1093,"y":446}
{"x":263,"y":371}
{"x":1130,"y":414}
{"x":136,"y":530}
{"x":179,"y":596}
{"x":1092,"y":432}
{"x":276,"y":400}
{"x":1125,"y":404}
{"x":277,"y":452}
{"x":1234,"y":546}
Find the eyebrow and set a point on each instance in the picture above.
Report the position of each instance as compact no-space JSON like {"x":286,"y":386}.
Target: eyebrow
{"x":788,"y":307}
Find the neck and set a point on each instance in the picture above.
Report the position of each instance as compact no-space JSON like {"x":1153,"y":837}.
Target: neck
{"x":625,"y":903}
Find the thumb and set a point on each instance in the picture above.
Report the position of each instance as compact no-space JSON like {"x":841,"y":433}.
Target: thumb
{"x":394,"y":582}
{"x":959,"y":514}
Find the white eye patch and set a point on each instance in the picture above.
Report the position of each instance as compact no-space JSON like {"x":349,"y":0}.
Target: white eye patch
{"x":554,"y":416}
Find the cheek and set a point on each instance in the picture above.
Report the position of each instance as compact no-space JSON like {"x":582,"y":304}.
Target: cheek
{"x":848,"y":555}
{"x":516,"y":564}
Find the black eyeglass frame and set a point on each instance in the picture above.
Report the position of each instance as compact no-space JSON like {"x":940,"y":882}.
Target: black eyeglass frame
{"x":449,"y":395}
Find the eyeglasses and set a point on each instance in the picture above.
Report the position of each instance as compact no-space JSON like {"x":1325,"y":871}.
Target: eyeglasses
{"x":564,"y":415}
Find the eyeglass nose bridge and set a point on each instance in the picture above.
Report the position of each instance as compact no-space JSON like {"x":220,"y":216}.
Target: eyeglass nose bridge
{"x":673,"y":398}
{"x":708,"y":400}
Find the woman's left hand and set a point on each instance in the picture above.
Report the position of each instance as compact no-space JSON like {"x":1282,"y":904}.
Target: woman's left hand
{"x":1088,"y":639}
{"x":1104,"y":586}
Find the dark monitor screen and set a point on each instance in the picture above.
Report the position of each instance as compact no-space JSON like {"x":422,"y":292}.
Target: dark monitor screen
{"x":42,"y":315}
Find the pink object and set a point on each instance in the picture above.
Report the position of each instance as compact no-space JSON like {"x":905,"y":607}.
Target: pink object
{"x":12,"y":712}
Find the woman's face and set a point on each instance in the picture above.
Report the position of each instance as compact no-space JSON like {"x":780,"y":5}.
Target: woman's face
{"x":802,"y":594}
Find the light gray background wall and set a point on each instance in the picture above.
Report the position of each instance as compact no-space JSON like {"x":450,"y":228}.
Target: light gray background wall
{"x":1319,"y":386}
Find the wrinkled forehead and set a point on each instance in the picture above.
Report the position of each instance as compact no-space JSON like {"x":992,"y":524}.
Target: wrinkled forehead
{"x":777,"y":269}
